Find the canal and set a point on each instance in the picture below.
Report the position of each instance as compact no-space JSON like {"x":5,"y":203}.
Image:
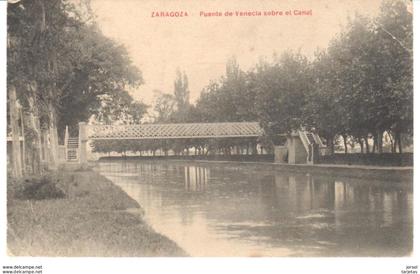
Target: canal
{"x":237,"y":210}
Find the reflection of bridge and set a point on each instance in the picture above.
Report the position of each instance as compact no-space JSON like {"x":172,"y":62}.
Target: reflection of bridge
{"x":174,"y":131}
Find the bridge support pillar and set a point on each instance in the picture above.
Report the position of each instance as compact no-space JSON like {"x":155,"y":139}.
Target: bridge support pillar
{"x":315,"y":154}
{"x":296,"y":151}
{"x":82,"y":143}
{"x":280,"y":154}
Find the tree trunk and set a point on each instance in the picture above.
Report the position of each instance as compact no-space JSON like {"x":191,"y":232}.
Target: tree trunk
{"x":22,"y":132}
{"x":254,"y":149}
{"x":380,"y":141}
{"x":330,"y":142}
{"x":35,"y":124}
{"x":398,"y":136}
{"x":46,"y":151}
{"x":345,"y":143}
{"x":52,"y":94}
{"x":16,"y":152}
{"x":360,"y":141}
{"x":375,"y":143}
{"x":53,"y":136}
{"x":392,"y":140}
{"x":367,"y":145}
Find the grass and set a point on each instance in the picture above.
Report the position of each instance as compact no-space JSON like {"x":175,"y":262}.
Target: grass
{"x":79,"y":214}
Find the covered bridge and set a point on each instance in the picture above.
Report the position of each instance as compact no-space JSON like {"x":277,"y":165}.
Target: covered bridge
{"x":301,"y":146}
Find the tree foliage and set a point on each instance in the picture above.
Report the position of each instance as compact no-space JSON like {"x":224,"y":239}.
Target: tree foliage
{"x":359,"y":88}
{"x":65,"y":70}
{"x":54,"y":49}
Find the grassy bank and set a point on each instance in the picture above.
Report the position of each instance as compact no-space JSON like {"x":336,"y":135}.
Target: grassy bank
{"x":79,"y":214}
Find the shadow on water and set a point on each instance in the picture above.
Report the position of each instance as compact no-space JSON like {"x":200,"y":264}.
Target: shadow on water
{"x":231,"y":210}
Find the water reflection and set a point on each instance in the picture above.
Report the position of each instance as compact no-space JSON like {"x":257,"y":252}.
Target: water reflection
{"x":230,"y":210}
{"x":196,"y":178}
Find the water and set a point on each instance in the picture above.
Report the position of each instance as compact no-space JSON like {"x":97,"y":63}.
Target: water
{"x":237,"y":210}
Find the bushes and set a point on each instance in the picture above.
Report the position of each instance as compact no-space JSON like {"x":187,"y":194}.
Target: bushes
{"x":35,"y":188}
{"x":384,"y":159}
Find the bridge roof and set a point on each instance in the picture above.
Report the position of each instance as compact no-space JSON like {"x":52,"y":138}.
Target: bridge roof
{"x":175,"y":131}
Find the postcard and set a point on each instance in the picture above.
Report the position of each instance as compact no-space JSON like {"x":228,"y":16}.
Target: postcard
{"x":240,"y":136}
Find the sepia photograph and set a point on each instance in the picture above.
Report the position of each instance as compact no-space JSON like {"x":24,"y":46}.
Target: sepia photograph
{"x":215,"y":129}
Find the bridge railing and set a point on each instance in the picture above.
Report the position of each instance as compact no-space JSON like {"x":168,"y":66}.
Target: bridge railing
{"x":175,"y":131}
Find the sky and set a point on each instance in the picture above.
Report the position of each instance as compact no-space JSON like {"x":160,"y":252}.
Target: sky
{"x":200,"y":46}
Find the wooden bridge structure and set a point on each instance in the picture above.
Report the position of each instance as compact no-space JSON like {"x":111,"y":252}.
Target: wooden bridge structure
{"x":301,"y":146}
{"x":174,"y":131}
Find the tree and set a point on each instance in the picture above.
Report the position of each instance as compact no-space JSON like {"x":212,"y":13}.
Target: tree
{"x":181,"y":90}
{"x":231,"y":98}
{"x":101,"y":74}
{"x":394,"y":40}
{"x":324,"y":109}
{"x":280,"y":93}
{"x":165,"y":107}
{"x":364,"y":79}
{"x":62,"y":66}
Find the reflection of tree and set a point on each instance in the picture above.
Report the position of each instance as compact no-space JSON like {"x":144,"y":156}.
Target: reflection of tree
{"x":297,"y":211}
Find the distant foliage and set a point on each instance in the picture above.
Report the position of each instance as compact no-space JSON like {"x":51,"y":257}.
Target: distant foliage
{"x":360,"y":88}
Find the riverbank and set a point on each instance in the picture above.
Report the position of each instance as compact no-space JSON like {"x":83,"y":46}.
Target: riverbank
{"x":377,"y":173}
{"x":79,"y":213}
{"x":231,"y":158}
{"x":338,"y":159}
{"x":381,"y":173}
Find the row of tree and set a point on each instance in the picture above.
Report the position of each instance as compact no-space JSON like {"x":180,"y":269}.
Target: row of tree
{"x":63,"y":70}
{"x":359,"y":89}
{"x":176,"y":108}
{"x":154,"y":147}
